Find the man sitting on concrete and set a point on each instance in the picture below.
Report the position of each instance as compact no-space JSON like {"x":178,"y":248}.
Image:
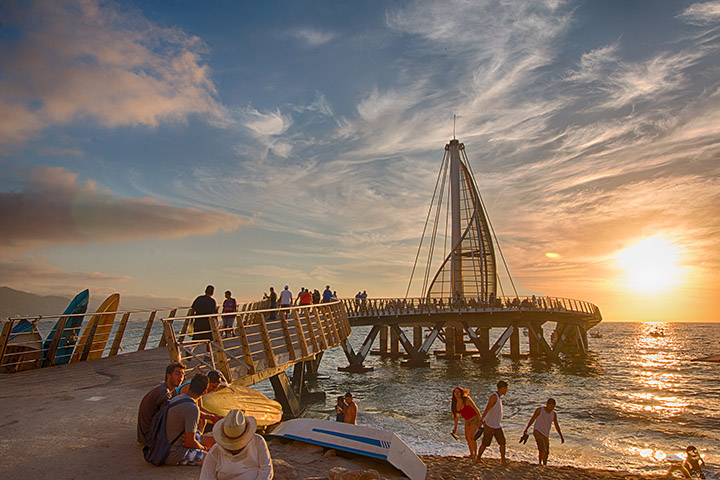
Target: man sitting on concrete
{"x":215,"y":378}
{"x":188,"y":447}
{"x":240,"y":453}
{"x":156,"y":398}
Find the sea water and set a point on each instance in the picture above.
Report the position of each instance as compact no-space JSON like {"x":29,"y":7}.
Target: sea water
{"x":635,"y":398}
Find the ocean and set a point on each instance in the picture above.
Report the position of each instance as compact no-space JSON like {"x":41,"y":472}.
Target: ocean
{"x":635,"y":398}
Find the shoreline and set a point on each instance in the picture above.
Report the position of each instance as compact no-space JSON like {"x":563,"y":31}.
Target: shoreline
{"x":311,"y":461}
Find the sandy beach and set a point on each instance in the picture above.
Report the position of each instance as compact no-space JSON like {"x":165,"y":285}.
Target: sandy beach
{"x":310,"y":462}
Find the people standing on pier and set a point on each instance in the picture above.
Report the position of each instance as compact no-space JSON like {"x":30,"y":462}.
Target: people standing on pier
{"x":463,"y":405}
{"x":286,"y":298}
{"x":305,"y":297}
{"x":544,"y":417}
{"x":327,"y":294}
{"x":229,"y":305}
{"x":316,"y":296}
{"x":188,"y":447}
{"x":203,"y":305}
{"x":273,"y":302}
{"x":350,"y":410}
{"x":156,"y":398}
{"x":340,"y":409}
{"x":492,"y":419}
{"x":239,"y":453}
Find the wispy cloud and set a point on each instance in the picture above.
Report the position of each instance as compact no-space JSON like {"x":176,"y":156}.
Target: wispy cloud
{"x":54,"y":207}
{"x":312,"y":37}
{"x":702,"y":13}
{"x":75,"y":61}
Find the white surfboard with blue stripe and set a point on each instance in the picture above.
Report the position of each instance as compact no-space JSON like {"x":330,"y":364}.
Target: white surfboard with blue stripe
{"x":357,"y":439}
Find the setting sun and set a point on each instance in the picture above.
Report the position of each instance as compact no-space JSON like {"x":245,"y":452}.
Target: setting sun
{"x":650,"y":265}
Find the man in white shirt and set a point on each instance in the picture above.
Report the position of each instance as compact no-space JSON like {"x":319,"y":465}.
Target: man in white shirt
{"x":492,"y":419}
{"x":286,"y":298}
{"x":544,"y":417}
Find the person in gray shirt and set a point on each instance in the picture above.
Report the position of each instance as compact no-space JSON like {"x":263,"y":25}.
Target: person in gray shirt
{"x":188,"y":447}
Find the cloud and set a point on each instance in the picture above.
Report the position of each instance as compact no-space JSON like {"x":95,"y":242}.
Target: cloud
{"x":702,"y":13}
{"x":265,"y":124}
{"x":75,"y":61}
{"x":55,"y":208}
{"x":311,"y":36}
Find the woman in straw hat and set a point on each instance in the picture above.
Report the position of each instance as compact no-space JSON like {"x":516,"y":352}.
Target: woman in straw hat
{"x":239,"y":453}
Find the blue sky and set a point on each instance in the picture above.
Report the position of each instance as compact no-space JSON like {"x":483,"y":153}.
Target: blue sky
{"x":151,"y":148}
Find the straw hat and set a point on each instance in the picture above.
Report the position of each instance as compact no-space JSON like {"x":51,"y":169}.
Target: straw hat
{"x":235,"y":430}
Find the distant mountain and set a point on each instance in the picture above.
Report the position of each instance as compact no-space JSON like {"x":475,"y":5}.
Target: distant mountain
{"x":14,"y":303}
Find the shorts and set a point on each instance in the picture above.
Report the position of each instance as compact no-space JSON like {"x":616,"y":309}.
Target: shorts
{"x":228,"y":321}
{"x":543,"y":442}
{"x":193,"y":456}
{"x":493,"y":432}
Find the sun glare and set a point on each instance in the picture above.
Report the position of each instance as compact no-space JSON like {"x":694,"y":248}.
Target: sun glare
{"x":650,"y":265}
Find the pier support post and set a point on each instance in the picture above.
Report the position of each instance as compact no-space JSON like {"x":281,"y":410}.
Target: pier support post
{"x":417,"y":337}
{"x":515,"y":344}
{"x":286,"y":396}
{"x":534,"y":344}
{"x":394,"y":344}
{"x":383,"y":347}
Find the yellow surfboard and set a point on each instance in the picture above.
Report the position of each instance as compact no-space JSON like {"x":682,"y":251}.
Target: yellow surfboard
{"x":249,"y":401}
{"x":104,"y":323}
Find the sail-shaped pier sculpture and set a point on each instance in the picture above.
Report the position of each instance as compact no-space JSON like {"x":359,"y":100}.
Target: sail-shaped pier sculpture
{"x":463,"y":299}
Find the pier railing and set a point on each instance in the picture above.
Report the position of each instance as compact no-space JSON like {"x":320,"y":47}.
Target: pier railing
{"x":260,"y":343}
{"x":379,"y":307}
{"x":99,"y":335}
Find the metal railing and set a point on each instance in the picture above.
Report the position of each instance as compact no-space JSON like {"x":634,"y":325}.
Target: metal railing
{"x":378,"y":307}
{"x":258,"y":340}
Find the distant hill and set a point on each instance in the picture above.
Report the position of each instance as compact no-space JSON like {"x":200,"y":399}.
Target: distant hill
{"x":15,"y":303}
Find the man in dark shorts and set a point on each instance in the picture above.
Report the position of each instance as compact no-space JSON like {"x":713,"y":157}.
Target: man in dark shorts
{"x":203,"y":305}
{"x":492,"y":419}
{"x":156,"y":398}
{"x":543,"y":419}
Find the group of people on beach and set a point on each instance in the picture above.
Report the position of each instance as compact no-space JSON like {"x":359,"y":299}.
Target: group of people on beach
{"x":346,"y":409}
{"x":231,"y":450}
{"x":488,"y":424}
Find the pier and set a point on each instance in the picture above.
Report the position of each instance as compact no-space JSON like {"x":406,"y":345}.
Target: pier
{"x":262,"y":344}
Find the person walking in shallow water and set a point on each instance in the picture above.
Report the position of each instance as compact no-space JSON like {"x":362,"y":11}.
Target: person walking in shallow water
{"x":544,"y":417}
{"x":492,"y":418}
{"x":463,"y":405}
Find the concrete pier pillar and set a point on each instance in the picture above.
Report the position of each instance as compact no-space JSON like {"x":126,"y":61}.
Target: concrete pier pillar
{"x":383,"y":347}
{"x":484,"y":335}
{"x":394,"y":345}
{"x":515,"y":343}
{"x":535,"y":348}
{"x":417,"y":337}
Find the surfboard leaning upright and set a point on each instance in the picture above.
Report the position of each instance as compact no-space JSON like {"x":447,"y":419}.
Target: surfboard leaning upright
{"x":66,"y":330}
{"x":101,"y":322}
{"x":357,"y":439}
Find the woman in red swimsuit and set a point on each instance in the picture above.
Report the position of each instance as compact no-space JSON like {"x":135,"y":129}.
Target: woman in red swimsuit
{"x":463,"y":405}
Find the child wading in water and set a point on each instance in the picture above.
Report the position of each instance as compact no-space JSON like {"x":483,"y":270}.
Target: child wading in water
{"x":463,"y":405}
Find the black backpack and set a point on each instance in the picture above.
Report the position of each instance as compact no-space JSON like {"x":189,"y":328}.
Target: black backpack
{"x":157,"y":448}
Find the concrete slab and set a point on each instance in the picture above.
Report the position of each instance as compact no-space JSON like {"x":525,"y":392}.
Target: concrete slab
{"x":78,"y":421}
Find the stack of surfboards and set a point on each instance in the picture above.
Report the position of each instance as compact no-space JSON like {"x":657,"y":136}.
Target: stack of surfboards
{"x":249,"y":401}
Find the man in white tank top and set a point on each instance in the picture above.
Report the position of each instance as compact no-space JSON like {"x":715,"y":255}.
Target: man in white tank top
{"x":492,"y":419}
{"x":544,"y":417}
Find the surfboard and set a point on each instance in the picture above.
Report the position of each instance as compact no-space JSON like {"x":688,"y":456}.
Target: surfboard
{"x":24,"y":349}
{"x":102,"y":330}
{"x":249,"y":401}
{"x":358,"y":439}
{"x":68,"y":335}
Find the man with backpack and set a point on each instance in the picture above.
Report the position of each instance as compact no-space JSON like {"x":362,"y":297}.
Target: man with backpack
{"x":156,"y":398}
{"x":187,"y":446}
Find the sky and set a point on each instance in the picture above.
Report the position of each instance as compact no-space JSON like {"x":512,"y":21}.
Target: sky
{"x":153,"y":147}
